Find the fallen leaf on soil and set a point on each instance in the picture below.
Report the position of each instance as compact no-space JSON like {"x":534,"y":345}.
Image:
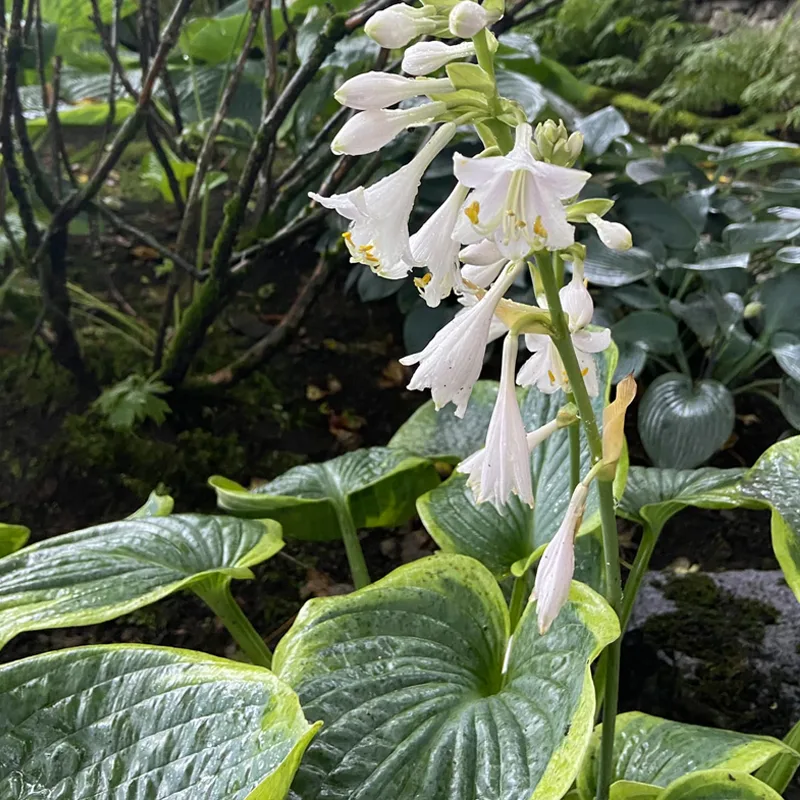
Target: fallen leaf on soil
{"x":748,"y":419}
{"x":682,"y":566}
{"x":314,"y":393}
{"x":393,"y":375}
{"x":145,"y":253}
{"x":320,"y":584}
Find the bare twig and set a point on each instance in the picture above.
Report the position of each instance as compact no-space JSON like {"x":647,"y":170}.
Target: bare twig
{"x":258,"y":353}
{"x":514,"y":15}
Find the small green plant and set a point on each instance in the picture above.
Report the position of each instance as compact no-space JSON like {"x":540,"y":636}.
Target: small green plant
{"x":134,"y":400}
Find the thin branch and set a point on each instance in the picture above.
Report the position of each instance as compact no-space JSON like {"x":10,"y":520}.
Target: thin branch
{"x":514,"y":16}
{"x":258,"y":353}
{"x":111,"y":46}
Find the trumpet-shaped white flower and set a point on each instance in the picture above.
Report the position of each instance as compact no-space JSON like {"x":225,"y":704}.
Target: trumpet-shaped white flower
{"x":468,"y":18}
{"x":372,"y":90}
{"x":537,"y":436}
{"x":451,"y":363}
{"x":555,"y":570}
{"x":517,"y":200}
{"x":378,"y":235}
{"x":368,"y":131}
{"x":432,"y":246}
{"x":482,"y":276}
{"x":397,"y":25}
{"x":503,"y":466}
{"x":426,"y":57}
{"x":497,"y":327}
{"x":545,"y":369}
{"x":613,"y":235}
{"x":481,"y":254}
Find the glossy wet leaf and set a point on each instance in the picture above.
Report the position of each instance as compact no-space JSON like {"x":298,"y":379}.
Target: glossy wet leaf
{"x":502,"y":539}
{"x":789,"y":255}
{"x":683,"y":423}
{"x":744,"y":156}
{"x":12,"y":537}
{"x":127,"y":722}
{"x":730,"y":261}
{"x":606,"y":267}
{"x":786,"y":349}
{"x":653,"y":495}
{"x":655,"y":751}
{"x":103,"y":572}
{"x":601,"y":129}
{"x":380,"y":485}
{"x":742,"y":237}
{"x":774,"y":481}
{"x":778,"y":296}
{"x":441,"y":435}
{"x":718,"y":784}
{"x":789,"y":401}
{"x":653,"y":331}
{"x":780,"y":769}
{"x":407,"y":676}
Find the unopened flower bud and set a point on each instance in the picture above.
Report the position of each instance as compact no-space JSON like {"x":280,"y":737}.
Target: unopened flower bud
{"x":381,"y":89}
{"x":552,"y":143}
{"x":397,"y":25}
{"x":469,"y":18}
{"x":370,"y":130}
{"x":613,"y":235}
{"x":753,"y":310}
{"x":426,"y":57}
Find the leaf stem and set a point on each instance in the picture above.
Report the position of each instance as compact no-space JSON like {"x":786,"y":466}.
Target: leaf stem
{"x":352,"y":546}
{"x":518,"y":595}
{"x":574,"y":451}
{"x":640,"y":566}
{"x":215,"y":592}
{"x":562,"y":339}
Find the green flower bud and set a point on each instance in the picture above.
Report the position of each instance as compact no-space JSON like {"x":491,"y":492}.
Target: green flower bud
{"x":553,"y":144}
{"x":753,"y":310}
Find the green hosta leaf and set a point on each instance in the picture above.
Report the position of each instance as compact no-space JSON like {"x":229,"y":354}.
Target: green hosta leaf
{"x":654,"y":495}
{"x":646,"y":170}
{"x":652,"y":217}
{"x":731,"y":261}
{"x":744,"y":236}
{"x":606,"y":267}
{"x":12,"y":537}
{"x":127,"y":722}
{"x":441,"y":435}
{"x":789,"y":255}
{"x":156,"y":505}
{"x":380,"y":485}
{"x":744,"y":156}
{"x":653,"y":331}
{"x":718,"y":784}
{"x":601,"y":129}
{"x":502,"y":539}
{"x":101,"y":573}
{"x":780,"y":308}
{"x":682,"y":424}
{"x":654,"y":751}
{"x":789,"y":401}
{"x":774,"y":481}
{"x":779,"y":770}
{"x":525,"y":90}
{"x":786,"y":349}
{"x":407,"y":676}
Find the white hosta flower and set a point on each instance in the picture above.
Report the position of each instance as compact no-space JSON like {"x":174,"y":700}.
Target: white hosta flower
{"x":503,"y":466}
{"x":517,"y":200}
{"x":555,"y":570}
{"x":537,"y":436}
{"x":432,"y":246}
{"x":483,"y":262}
{"x":497,"y":327}
{"x":397,"y":25}
{"x":378,"y":235}
{"x":373,"y":90}
{"x":368,"y":131}
{"x":451,"y":363}
{"x":613,"y":235}
{"x":545,"y":369}
{"x":426,"y":57}
{"x":468,"y":18}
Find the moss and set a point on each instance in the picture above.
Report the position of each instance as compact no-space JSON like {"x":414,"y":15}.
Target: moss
{"x":723,"y":634}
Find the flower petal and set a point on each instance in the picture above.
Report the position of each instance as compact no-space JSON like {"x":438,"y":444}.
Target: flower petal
{"x":592,"y":341}
{"x":563,"y":182}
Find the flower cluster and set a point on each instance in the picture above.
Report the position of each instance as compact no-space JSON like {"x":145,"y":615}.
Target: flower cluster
{"x":512,"y":203}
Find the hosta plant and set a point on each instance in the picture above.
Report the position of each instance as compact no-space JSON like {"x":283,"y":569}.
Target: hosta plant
{"x":465,"y":674}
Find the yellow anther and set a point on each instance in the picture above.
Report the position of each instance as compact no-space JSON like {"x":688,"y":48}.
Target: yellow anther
{"x":551,"y":376}
{"x":422,"y":282}
{"x":472,"y":211}
{"x":539,"y":229}
{"x":585,"y":371}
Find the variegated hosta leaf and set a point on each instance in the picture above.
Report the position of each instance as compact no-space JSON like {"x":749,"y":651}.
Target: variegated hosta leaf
{"x":653,"y":495}
{"x":774,"y":481}
{"x":379,"y":485}
{"x":127,"y":722}
{"x":655,"y":752}
{"x":718,"y":784}
{"x":103,"y":572}
{"x":408,"y":677}
{"x":501,"y":539}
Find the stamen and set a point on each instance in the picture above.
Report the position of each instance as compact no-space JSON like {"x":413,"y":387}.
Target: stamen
{"x":539,"y":229}
{"x":472,"y":211}
{"x":551,"y":376}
